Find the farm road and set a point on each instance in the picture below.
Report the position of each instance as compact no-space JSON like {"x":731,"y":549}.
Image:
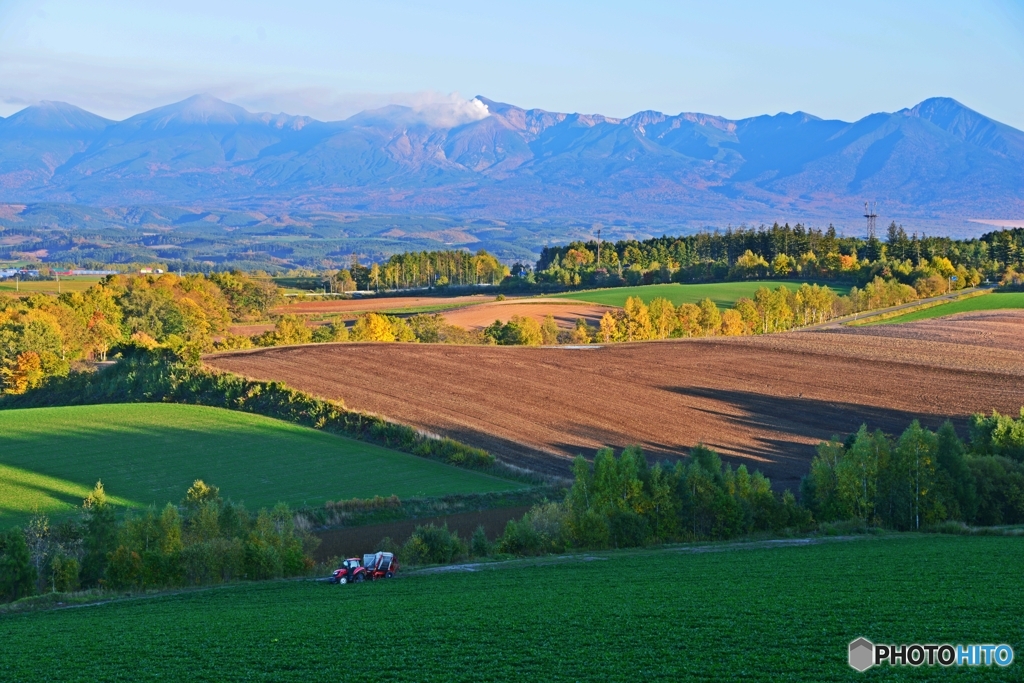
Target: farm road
{"x":837,"y":323}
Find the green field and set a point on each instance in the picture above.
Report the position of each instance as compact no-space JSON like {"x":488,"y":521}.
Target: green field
{"x":77,"y":283}
{"x":725,"y":294}
{"x":761,"y":613}
{"x":985,"y":302}
{"x":150,"y":453}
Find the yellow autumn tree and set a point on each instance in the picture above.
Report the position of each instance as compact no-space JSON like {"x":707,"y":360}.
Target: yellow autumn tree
{"x":710,"y":317}
{"x":24,"y":373}
{"x":609,"y":327}
{"x":638,"y":320}
{"x":688,"y":320}
{"x":291,"y":329}
{"x":732,"y":324}
{"x":372,"y":327}
{"x":549,"y":330}
{"x":663,"y":317}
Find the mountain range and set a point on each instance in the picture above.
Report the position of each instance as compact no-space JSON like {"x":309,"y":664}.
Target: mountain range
{"x":936,"y":164}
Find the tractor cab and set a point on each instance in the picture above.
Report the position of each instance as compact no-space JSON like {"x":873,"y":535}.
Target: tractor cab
{"x":351,"y":571}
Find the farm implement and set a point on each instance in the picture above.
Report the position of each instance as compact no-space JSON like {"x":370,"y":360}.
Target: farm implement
{"x":373,"y":566}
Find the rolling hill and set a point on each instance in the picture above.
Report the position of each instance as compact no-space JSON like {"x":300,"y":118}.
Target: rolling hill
{"x":150,"y":453}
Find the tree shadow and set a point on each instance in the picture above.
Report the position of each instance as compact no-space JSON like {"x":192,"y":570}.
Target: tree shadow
{"x":795,"y":421}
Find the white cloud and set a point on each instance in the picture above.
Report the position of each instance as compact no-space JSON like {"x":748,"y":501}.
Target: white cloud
{"x":446,"y":111}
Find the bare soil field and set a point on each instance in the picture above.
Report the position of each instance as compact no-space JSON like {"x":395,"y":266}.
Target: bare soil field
{"x":383,"y":303}
{"x":996,"y":329}
{"x":565,"y":312}
{"x":764,"y":401}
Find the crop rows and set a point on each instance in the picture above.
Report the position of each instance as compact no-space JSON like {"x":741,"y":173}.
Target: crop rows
{"x":756,"y":613}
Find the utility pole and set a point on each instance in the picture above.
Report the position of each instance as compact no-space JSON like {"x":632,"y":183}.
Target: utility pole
{"x":58,"y":280}
{"x":599,"y":247}
{"x":869,"y":213}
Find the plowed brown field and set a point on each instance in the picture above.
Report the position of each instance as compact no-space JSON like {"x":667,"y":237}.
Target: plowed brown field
{"x":564,"y":312}
{"x":765,"y":401}
{"x":372,"y":303}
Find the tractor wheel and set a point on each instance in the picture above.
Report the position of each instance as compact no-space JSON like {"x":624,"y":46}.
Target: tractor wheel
{"x":343,"y":580}
{"x":389,"y":575}
{"x":359,"y":578}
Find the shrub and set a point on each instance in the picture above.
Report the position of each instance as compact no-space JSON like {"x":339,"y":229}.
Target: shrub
{"x":64,"y":574}
{"x":520,"y":538}
{"x":479,"y":546}
{"x":590,"y":530}
{"x":387,"y":545}
{"x":17,"y":576}
{"x":550,"y":521}
{"x":364,"y":504}
{"x":626,"y":529}
{"x":432,"y":544}
{"x":124,"y":569}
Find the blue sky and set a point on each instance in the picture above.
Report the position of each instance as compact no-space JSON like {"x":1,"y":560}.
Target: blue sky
{"x":331,"y":59}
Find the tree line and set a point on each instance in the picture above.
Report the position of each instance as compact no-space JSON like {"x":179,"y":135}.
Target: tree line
{"x":420,"y":269}
{"x":768,"y":311}
{"x":203,"y":540}
{"x":922,"y":478}
{"x":619,"y":501}
{"x":781,"y":252}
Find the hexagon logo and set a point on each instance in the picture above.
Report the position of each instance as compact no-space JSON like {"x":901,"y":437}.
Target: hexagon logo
{"x":862,"y":654}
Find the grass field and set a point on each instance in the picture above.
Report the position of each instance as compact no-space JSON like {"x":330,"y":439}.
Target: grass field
{"x":150,"y":453}
{"x":78,"y":283}
{"x":760,"y":613}
{"x":725,"y":294}
{"x":987,"y":302}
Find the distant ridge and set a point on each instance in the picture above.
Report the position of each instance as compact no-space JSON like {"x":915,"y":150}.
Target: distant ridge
{"x":938,"y":162}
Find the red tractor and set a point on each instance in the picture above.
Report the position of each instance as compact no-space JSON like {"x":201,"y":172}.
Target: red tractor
{"x":351,"y":571}
{"x":380,"y":565}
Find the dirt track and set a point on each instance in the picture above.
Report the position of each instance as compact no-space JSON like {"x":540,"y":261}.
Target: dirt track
{"x":765,"y":400}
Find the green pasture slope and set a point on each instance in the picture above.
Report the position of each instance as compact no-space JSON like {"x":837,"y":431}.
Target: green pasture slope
{"x":725,"y":294}
{"x":767,"y":612}
{"x":986,"y":302}
{"x":150,"y":453}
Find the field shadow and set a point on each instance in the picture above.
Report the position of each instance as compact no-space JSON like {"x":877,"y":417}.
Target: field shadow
{"x":810,"y":417}
{"x":513,"y":452}
{"x":794,"y":420}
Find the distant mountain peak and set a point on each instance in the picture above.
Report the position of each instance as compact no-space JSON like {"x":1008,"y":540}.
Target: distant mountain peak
{"x":967,"y":125}
{"x":56,"y":117}
{"x":933,"y":104}
{"x":201,"y":109}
